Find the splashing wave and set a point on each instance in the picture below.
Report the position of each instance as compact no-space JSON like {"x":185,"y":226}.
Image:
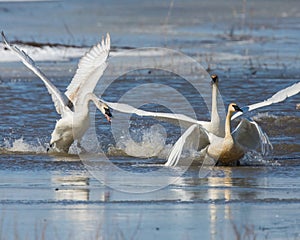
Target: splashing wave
{"x":21,"y":146}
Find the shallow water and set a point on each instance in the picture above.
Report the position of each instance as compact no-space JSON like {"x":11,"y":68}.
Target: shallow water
{"x":48,"y":196}
{"x":56,"y":197}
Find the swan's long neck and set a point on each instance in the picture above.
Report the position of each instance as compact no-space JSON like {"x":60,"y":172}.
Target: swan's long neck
{"x":214,"y":103}
{"x":83,"y":106}
{"x":99,"y":104}
{"x":91,"y":97}
{"x":227,"y":124}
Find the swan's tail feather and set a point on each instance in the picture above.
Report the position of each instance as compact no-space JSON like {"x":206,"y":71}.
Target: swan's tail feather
{"x":174,"y":156}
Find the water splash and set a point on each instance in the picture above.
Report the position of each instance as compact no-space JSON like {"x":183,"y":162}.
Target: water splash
{"x":21,"y":146}
{"x":152,"y":144}
{"x":253,"y":158}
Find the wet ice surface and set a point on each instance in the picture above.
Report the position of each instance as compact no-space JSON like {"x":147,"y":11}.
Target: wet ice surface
{"x":56,"y":197}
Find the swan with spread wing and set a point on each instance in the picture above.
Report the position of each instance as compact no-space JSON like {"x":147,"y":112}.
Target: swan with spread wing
{"x":246,"y":136}
{"x":248,"y":133}
{"x":215,"y":126}
{"x":73,"y":104}
{"x":225,"y":150}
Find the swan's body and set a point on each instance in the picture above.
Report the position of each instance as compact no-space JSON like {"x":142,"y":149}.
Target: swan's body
{"x":228,"y":154}
{"x":73,"y":105}
{"x":74,"y":124}
{"x":225,"y":150}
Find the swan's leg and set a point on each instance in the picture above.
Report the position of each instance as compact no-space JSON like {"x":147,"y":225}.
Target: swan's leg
{"x":80,"y":147}
{"x":237,"y":163}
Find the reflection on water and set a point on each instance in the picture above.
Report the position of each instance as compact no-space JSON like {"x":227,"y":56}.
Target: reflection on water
{"x":215,"y":194}
{"x":71,"y":187}
{"x":63,"y":191}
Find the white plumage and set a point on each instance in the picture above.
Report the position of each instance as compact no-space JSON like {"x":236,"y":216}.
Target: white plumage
{"x":247,"y":133}
{"x":73,"y":105}
{"x":276,"y":98}
{"x":216,"y":126}
{"x":225,"y":150}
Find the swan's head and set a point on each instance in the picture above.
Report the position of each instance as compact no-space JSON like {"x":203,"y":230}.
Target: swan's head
{"x":234,"y":108}
{"x":214,"y":79}
{"x":105,"y":111}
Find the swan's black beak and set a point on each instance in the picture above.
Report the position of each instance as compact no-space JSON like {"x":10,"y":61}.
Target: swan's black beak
{"x":214,"y":79}
{"x":237,"y":108}
{"x":108,"y":114}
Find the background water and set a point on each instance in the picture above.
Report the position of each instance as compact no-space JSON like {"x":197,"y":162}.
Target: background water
{"x":252,"y":46}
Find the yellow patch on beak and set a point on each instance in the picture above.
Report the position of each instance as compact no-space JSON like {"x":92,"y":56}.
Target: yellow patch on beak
{"x":108,"y":118}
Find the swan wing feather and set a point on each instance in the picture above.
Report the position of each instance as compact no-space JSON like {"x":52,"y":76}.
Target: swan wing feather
{"x":276,"y":98}
{"x":177,"y":119}
{"x":174,"y":156}
{"x":90,"y":68}
{"x":197,"y":134}
{"x":250,"y":135}
{"x":59,"y":100}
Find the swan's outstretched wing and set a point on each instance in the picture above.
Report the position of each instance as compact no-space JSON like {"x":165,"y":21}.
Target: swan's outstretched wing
{"x":90,"y":68}
{"x":276,"y":98}
{"x":174,"y":156}
{"x":60,"y":100}
{"x":177,"y":119}
{"x":251,"y":136}
{"x":202,"y":140}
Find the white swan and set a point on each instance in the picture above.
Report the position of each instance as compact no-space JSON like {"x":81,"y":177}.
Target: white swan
{"x":73,"y":105}
{"x":224,"y":150}
{"x":214,"y":126}
{"x":246,"y":132}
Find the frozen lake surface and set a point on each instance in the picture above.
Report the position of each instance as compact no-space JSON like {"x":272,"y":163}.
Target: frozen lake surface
{"x":252,"y":46}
